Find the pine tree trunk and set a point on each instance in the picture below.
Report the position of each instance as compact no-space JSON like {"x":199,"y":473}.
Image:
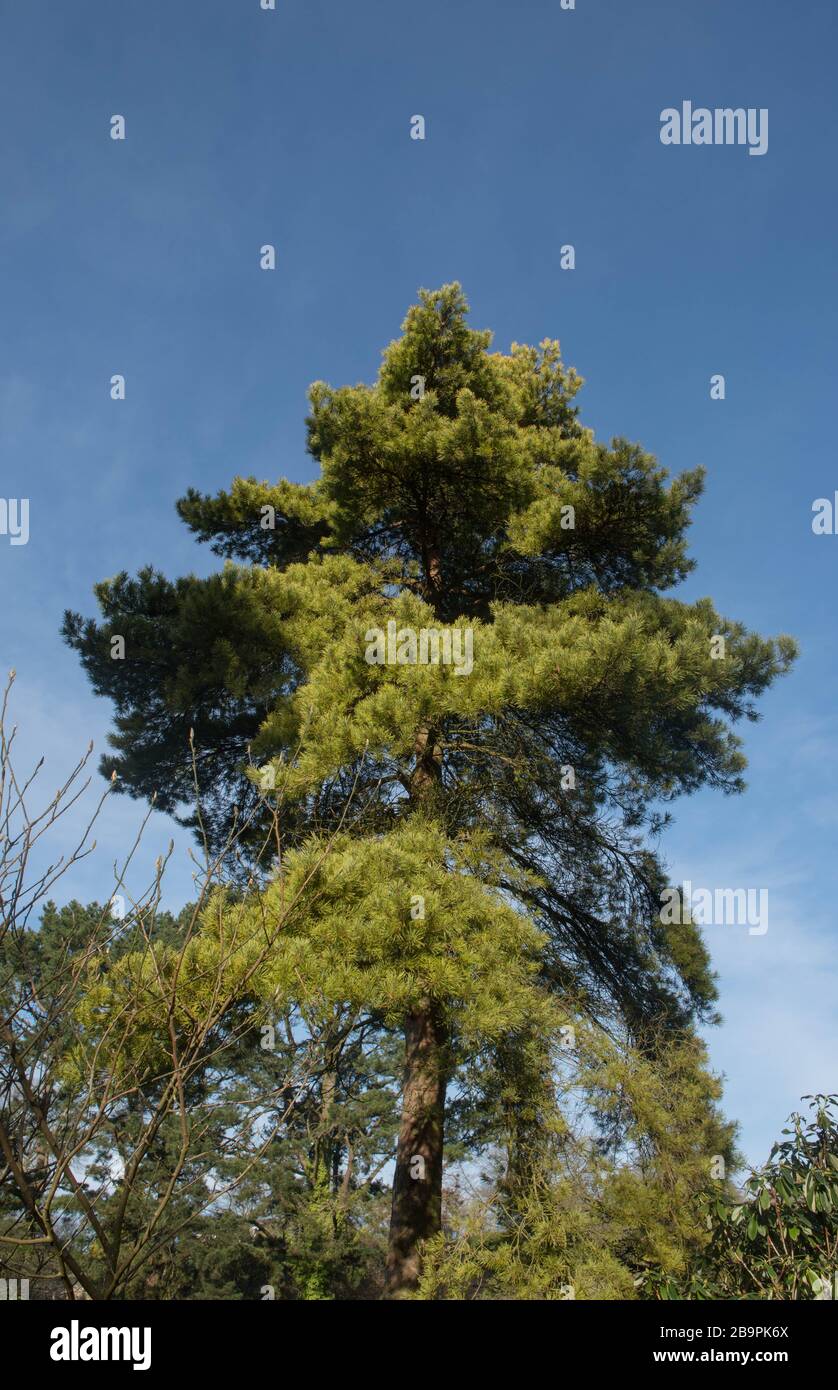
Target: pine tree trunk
{"x":417,"y":1184}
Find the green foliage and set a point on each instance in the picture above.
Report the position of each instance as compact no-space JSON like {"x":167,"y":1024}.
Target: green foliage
{"x":393,"y":920}
{"x":778,"y":1237}
{"x":278,"y":1186}
{"x":458,"y":489}
{"x":596,"y":1210}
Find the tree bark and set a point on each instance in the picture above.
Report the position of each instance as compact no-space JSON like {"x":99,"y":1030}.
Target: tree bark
{"x":417,"y":1183}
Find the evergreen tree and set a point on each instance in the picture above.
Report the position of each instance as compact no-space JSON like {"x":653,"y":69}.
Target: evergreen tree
{"x":488,"y":816}
{"x":609,"y":1209}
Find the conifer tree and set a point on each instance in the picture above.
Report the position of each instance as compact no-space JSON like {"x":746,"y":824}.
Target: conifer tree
{"x":489,"y":812}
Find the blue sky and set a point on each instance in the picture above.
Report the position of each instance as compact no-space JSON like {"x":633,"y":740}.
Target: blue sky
{"x":292,"y":127}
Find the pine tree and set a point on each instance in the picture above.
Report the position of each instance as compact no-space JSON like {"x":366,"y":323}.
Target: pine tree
{"x":614,"y":1209}
{"x":489,"y":812}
